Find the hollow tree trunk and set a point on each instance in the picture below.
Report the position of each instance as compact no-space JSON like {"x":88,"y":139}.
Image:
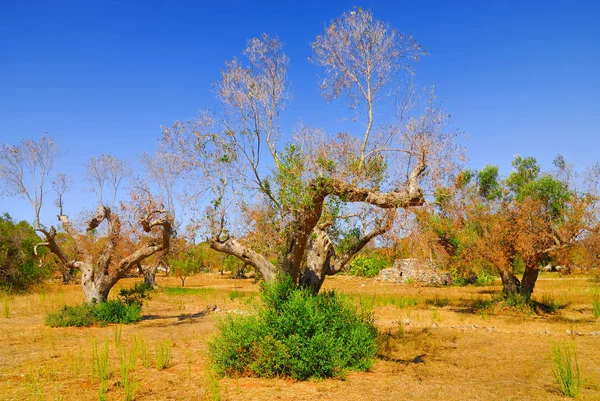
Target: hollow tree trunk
{"x":530,"y":276}
{"x":318,"y":259}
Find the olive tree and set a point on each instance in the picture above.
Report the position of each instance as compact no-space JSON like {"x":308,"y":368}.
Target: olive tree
{"x":314,"y":188}
{"x":142,"y":228}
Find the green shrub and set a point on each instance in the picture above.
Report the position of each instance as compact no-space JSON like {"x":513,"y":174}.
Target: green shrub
{"x":566,"y":369}
{"x":296,"y":334}
{"x":368,"y":265}
{"x":89,"y":314}
{"x":19,"y":267}
{"x":78,"y":316}
{"x":117,"y":312}
{"x":136,"y":295}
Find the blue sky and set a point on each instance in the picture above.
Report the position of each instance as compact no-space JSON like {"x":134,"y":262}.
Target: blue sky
{"x":102,"y":77}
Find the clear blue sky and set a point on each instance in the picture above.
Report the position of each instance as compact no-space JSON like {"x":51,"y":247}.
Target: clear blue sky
{"x":101,"y":77}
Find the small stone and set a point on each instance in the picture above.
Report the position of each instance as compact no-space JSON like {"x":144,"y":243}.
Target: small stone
{"x":548,"y":332}
{"x":211,"y":307}
{"x":569,"y":332}
{"x":579,"y":333}
{"x":435,"y":325}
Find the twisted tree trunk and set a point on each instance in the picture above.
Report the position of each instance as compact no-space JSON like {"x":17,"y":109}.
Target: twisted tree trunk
{"x":310,"y":256}
{"x":98,"y":277}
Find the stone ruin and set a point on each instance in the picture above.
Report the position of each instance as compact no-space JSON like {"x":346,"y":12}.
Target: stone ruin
{"x":415,"y":271}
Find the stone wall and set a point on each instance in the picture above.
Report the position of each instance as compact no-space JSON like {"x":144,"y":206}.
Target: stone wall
{"x":415,"y":271}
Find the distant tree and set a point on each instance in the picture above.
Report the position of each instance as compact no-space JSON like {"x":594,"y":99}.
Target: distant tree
{"x":185,"y":265}
{"x":163,"y":171}
{"x":528,"y":218}
{"x":310,"y":187}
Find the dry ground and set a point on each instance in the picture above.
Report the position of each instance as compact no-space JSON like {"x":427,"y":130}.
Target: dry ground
{"x":450,"y":349}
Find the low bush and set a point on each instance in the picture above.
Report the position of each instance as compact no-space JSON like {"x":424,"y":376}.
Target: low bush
{"x":117,"y":312}
{"x":368,"y":265}
{"x":89,"y":314}
{"x":296,"y":334}
{"x":136,"y":295}
{"x":78,"y":316}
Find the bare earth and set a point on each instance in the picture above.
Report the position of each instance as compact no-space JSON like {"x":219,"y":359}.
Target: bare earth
{"x":449,"y":350}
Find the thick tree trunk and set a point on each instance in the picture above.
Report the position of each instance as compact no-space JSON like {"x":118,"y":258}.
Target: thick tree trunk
{"x":510,"y":283}
{"x":528,"y":281}
{"x":318,"y":259}
{"x":95,"y":288}
{"x":150,"y":276}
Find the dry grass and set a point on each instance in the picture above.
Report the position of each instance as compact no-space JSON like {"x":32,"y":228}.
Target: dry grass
{"x":447,"y":344}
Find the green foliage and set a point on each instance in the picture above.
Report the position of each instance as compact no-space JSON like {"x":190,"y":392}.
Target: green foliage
{"x":480,"y":275}
{"x":187,"y":291}
{"x":19,"y":269}
{"x":186,"y":265}
{"x":368,"y":265}
{"x":296,"y":334}
{"x":77,"y":316}
{"x":136,"y":295}
{"x":566,"y":368}
{"x":489,"y":186}
{"x":288,"y":174}
{"x":526,"y":171}
{"x":89,"y":314}
{"x":553,"y":193}
{"x":117,"y":312}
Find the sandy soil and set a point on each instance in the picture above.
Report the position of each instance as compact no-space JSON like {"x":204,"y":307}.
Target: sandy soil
{"x":443,"y":348}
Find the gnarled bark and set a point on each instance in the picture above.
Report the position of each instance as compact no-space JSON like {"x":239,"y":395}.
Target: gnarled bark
{"x":310,"y":256}
{"x":98,"y":278}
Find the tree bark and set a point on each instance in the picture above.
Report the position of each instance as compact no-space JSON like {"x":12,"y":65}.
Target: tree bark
{"x":510,"y":283}
{"x":530,"y":276}
{"x":318,"y":259}
{"x":232,"y":247}
{"x":98,"y":278}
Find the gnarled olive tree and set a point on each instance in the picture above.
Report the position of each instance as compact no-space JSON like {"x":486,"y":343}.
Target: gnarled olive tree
{"x":326,"y":196}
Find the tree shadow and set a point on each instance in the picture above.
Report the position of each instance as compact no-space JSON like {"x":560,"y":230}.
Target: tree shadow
{"x":177,"y":319}
{"x":417,"y":359}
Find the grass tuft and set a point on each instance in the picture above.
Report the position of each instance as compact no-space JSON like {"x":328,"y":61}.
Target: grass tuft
{"x":566,"y":368}
{"x":163,"y":355}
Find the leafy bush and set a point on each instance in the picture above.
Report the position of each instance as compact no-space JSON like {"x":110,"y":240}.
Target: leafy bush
{"x":89,"y":314}
{"x":481,"y":276}
{"x":296,"y":334}
{"x":19,"y":269}
{"x":117,"y":312}
{"x":368,"y":266}
{"x":78,"y":316}
{"x":136,"y":294}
